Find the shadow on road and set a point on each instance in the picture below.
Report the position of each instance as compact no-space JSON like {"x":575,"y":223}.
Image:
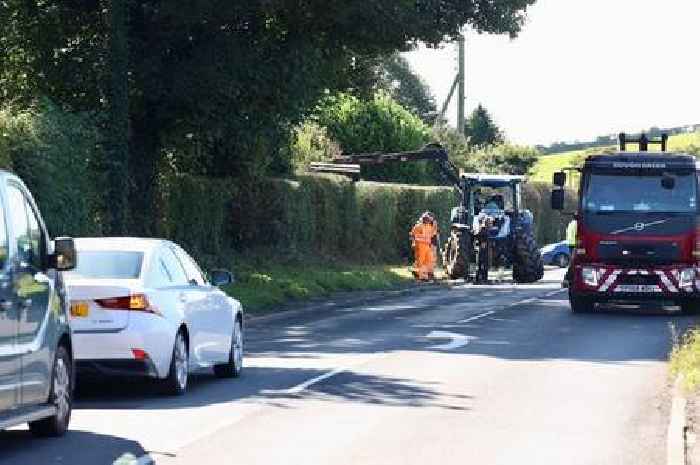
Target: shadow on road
{"x":267,"y":385}
{"x":540,"y":330}
{"x":20,"y":447}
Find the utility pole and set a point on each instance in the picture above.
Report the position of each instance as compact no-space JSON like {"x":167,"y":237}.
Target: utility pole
{"x":461,"y":79}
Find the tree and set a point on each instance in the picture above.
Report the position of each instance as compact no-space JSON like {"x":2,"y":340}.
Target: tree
{"x":379,"y":124}
{"x":480,"y":129}
{"x":504,"y":159}
{"x":398,"y":79}
{"x":218,"y":86}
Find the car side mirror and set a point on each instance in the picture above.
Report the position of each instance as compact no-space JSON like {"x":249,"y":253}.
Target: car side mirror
{"x":559,"y":179}
{"x":221,"y":277}
{"x":64,"y":257}
{"x":558,"y":199}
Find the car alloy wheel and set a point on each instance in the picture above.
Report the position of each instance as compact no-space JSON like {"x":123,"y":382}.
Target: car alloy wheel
{"x":237,"y":346}
{"x":181,"y":361}
{"x":61,"y":389}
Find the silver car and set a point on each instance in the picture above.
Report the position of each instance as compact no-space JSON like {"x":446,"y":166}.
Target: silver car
{"x":36,"y":356}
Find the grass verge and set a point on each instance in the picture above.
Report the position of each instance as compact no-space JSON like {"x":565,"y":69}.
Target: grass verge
{"x":260,"y":286}
{"x":547,"y":164}
{"x":685,"y":359}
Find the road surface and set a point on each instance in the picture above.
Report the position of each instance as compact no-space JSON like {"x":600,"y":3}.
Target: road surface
{"x":483,"y":375}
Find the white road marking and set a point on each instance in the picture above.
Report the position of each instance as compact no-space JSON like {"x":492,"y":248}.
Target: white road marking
{"x":477,"y":317}
{"x":553,"y":293}
{"x":524,"y":301}
{"x":458,"y":340}
{"x":299,"y":388}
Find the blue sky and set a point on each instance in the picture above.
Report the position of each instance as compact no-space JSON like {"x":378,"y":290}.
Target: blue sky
{"x":562,"y":78}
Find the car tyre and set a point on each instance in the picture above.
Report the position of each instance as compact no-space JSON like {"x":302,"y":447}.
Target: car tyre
{"x":561,"y":260}
{"x":234,"y":366}
{"x":175,"y":383}
{"x":61,"y":396}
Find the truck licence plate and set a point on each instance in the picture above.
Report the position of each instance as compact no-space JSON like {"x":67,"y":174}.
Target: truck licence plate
{"x":640,"y":288}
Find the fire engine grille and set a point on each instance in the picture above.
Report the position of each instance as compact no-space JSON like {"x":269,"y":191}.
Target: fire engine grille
{"x":639,"y":253}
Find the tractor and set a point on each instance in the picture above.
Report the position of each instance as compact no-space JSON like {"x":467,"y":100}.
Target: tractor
{"x":488,"y":227}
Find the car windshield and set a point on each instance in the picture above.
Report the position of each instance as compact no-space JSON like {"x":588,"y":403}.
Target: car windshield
{"x":611,"y":193}
{"x":108,"y":265}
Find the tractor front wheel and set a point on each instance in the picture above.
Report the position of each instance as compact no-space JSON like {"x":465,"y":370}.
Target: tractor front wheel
{"x":455,"y":257}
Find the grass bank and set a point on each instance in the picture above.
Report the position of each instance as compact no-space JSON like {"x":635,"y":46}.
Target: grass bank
{"x":547,"y":164}
{"x":685,"y":359}
{"x":260,"y":286}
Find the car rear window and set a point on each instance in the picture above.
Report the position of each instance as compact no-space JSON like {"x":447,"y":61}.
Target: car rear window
{"x":108,"y":265}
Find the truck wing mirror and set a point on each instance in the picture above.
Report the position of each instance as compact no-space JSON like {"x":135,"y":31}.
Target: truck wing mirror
{"x":559,"y":179}
{"x":558,"y":199}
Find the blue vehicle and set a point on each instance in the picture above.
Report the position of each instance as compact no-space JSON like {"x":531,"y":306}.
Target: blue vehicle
{"x":556,"y":254}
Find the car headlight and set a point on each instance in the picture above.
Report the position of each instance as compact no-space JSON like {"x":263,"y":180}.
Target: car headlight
{"x":590,"y":276}
{"x":686,"y":277}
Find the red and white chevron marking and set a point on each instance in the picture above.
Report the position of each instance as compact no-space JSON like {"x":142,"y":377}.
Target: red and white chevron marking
{"x":611,"y":281}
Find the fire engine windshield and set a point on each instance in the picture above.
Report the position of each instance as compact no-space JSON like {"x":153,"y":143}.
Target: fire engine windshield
{"x":615,"y":193}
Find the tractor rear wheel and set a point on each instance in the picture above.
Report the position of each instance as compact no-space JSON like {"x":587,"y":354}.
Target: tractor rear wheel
{"x":528,"y":266}
{"x":455,"y":257}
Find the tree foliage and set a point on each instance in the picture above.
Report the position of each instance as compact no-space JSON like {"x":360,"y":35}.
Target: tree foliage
{"x":57,"y":155}
{"x":215,"y":87}
{"x":481,"y":130}
{"x":398,"y":79}
{"x":378,"y":125}
{"x":504,"y":159}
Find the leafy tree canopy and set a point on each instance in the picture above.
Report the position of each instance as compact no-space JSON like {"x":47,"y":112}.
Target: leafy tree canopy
{"x":219,"y":84}
{"x":407,"y":88}
{"x":481,"y":130}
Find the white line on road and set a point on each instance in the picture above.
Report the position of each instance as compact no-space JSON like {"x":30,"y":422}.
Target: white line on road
{"x":477,"y":317}
{"x":553,"y":293}
{"x":299,"y":388}
{"x":524,"y":301}
{"x":458,"y":340}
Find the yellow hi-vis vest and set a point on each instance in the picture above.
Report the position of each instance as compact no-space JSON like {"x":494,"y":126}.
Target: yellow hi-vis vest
{"x":571,"y":233}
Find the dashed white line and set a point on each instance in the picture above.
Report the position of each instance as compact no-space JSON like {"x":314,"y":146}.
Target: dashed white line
{"x":553,"y":293}
{"x":299,"y":388}
{"x":477,"y":317}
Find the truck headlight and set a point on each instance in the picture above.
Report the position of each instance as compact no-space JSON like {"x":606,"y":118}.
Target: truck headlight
{"x":686,"y":277}
{"x":589,"y":275}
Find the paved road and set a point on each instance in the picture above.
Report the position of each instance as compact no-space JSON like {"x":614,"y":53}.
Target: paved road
{"x":490,"y":375}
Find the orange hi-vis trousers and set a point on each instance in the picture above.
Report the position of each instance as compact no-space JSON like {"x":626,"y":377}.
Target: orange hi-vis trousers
{"x":422,"y":235}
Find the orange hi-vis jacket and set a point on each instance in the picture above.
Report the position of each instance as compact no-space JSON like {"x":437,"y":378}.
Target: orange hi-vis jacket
{"x":422,"y":235}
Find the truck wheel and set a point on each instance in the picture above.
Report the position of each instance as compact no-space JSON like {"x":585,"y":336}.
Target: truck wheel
{"x":580,"y":304}
{"x":528,"y":266}
{"x":61,"y":397}
{"x":455,"y":257}
{"x":690,"y":307}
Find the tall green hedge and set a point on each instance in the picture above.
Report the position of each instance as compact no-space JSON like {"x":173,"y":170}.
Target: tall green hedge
{"x":320,"y":215}
{"x":56,"y":154}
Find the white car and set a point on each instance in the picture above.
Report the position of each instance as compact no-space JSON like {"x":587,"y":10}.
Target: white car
{"x":143,"y":307}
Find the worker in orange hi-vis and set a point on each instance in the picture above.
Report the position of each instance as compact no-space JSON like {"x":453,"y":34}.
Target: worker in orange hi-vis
{"x":424,"y":239}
